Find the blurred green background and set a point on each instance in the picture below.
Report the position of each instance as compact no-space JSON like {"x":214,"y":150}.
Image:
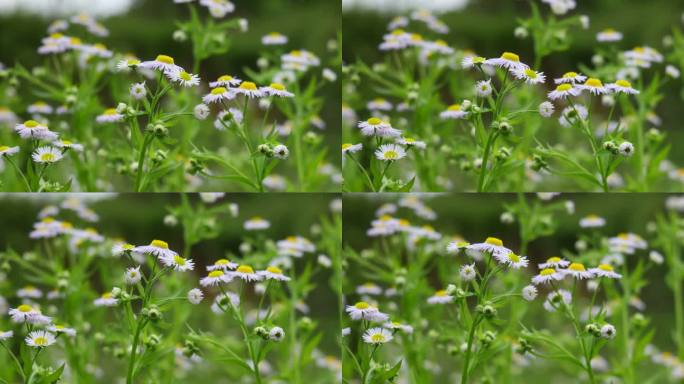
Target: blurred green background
{"x":486,"y":27}
{"x":477,"y":216}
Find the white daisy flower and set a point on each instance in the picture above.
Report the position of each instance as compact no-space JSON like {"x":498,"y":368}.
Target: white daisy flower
{"x":379,"y":104}
{"x":377,"y":336}
{"x":295,"y":246}
{"x":483,"y":88}
{"x":547,"y":275}
{"x":127,"y":64}
{"x":32,"y":129}
{"x":571,"y":78}
{"x":349,"y":148}
{"x":156,"y":248}
{"x":6,"y":335}
{"x":281,"y":152}
{"x":183,"y":78}
{"x":572,"y":115}
{"x":563,"y":91}
{"x":217,"y":95}
{"x":273,"y":273}
{"x":276,"y":334}
{"x":110,"y":115}
{"x":508,"y":60}
{"x":364,"y":311}
{"x":225,"y":81}
{"x":276,"y":89}
{"x":529,"y":293}
{"x":8,"y":151}
{"x":492,"y":245}
{"x":177,"y":263}
{"x":622,"y":86}
{"x":455,"y":112}
{"x":223,"y":302}
{"x":218,"y":8}
{"x":274,"y":38}
{"x":512,"y":260}
{"x":554,"y":262}
{"x":390,"y":152}
{"x":546,"y":109}
{"x":23,"y":314}
{"x":215,"y":277}
{"x":578,"y":271}
{"x":106,"y":300}
{"x":557,"y":299}
{"x":201,"y":111}
{"x":529,"y":76}
{"x":68,"y":145}
{"x":608,"y":35}
{"x":121,"y":247}
{"x":469,"y":61}
{"x":40,"y":108}
{"x":605,"y":270}
{"x":440,"y":297}
{"x":162,"y":63}
{"x":226,"y":117}
{"x":222,"y":264}
{"x":411,"y":142}
{"x":398,"y":326}
{"x":626,"y":149}
{"x":195,"y":296}
{"x":246,"y":273}
{"x":608,"y":331}
{"x":40,"y":339}
{"x":672,"y":71}
{"x":132,"y":276}
{"x":369,"y":289}
{"x":256,"y":223}
{"x":29,"y":292}
{"x":376,"y":127}
{"x":249,"y":89}
{"x":457,"y":245}
{"x":467,"y":272}
{"x":62,"y":329}
{"x":592,"y":221}
{"x":594,"y":86}
{"x":47,"y":155}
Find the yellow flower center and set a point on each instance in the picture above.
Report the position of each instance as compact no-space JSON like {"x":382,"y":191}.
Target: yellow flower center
{"x":159,"y":244}
{"x":128,"y":247}
{"x":513,"y":257}
{"x":278,"y":86}
{"x":455,"y":107}
{"x":47,"y":156}
{"x":31,"y":124}
{"x":378,"y":337}
{"x":107,"y":295}
{"x":100,"y":46}
{"x":67,"y":225}
{"x":510,"y":56}
{"x":248,"y":85}
{"x":40,"y":340}
{"x":531,"y":73}
{"x":133,"y":62}
{"x":605,"y":267}
{"x":441,"y":293}
{"x":554,"y":259}
{"x":67,"y":142}
{"x":361,"y":305}
{"x":624,"y":83}
{"x":344,"y":146}
{"x":225,"y":78}
{"x":217,"y":273}
{"x":594,"y":83}
{"x":245,"y":269}
{"x":221,"y":262}
{"x":275,"y":270}
{"x":547,"y":272}
{"x":56,"y":35}
{"x":179,"y":260}
{"x":564,"y":87}
{"x":185,"y":76}
{"x":274,"y":34}
{"x":75,"y":41}
{"x":398,"y":32}
{"x":110,"y":111}
{"x":3,"y":148}
{"x":478,"y":60}
{"x":391,"y":155}
{"x":165,"y":59}
{"x":570,"y":75}
{"x":218,"y":91}
{"x":374,"y":121}
{"x":494,"y":241}
{"x":24,"y":308}
{"x":441,"y":43}
{"x":577,"y":267}
{"x":404,"y":222}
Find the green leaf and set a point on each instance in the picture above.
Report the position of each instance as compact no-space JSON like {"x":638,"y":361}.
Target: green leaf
{"x":54,"y":376}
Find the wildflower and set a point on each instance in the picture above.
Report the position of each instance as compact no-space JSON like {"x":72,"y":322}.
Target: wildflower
{"x":578,"y":271}
{"x":608,"y":331}
{"x":281,"y":152}
{"x":156,"y":248}
{"x":46,"y":155}
{"x":27,"y":314}
{"x":571,"y":78}
{"x":626,"y":149}
{"x":351,"y":148}
{"x":132,"y":276}
{"x":273,"y":273}
{"x":276,"y":334}
{"x":223,"y":301}
{"x":672,"y":71}
{"x":376,"y":127}
{"x":274,"y":38}
{"x":276,"y":89}
{"x":377,"y":336}
{"x":592,"y":221}
{"x":5,"y":335}
{"x":573,"y":114}
{"x":295,"y":246}
{"x":66,"y":144}
{"x":40,"y":339}
{"x":249,"y":89}
{"x":364,"y":311}
{"x":508,"y":60}
{"x":492,"y":245}
{"x":62,"y":329}
{"x":557,"y":298}
{"x":483,"y":88}
{"x":246,"y":273}
{"x":554,"y":262}
{"x":369,"y":289}
{"x":183,"y":78}
{"x":106,"y":300}
{"x":162,"y":63}
{"x":390,"y":152}
{"x":256,"y":223}
{"x":121,"y":247}
{"x":608,"y":35}
{"x":201,"y":111}
{"x":656,"y":257}
{"x":512,"y":260}
{"x":547,"y":275}
{"x":529,"y":76}
{"x":128,"y":64}
{"x":411,"y":142}
{"x":546,"y":109}
{"x":8,"y":151}
{"x":218,"y":8}
{"x":226,"y":117}
{"x":110,"y":115}
{"x":563,"y":91}
{"x":217,"y":95}
{"x":440,"y":297}
{"x":605,"y":270}
{"x":455,"y":112}
{"x":40,"y":107}
{"x":225,"y":81}
{"x":177,"y":263}
{"x":222,"y":264}
{"x":594,"y":86}
{"x":622,"y":86}
{"x":215,"y":278}
{"x":529,"y":292}
{"x":32,"y":129}
{"x":379,"y":104}
{"x":195,"y":296}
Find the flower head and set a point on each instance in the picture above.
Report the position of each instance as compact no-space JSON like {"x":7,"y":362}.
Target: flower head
{"x":377,"y":336}
{"x":40,"y":339}
{"x":390,"y":152}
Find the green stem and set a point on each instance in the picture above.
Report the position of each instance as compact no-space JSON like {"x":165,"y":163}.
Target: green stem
{"x":147,"y":140}
{"x":485,"y":159}
{"x":23,"y":177}
{"x":15,"y":359}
